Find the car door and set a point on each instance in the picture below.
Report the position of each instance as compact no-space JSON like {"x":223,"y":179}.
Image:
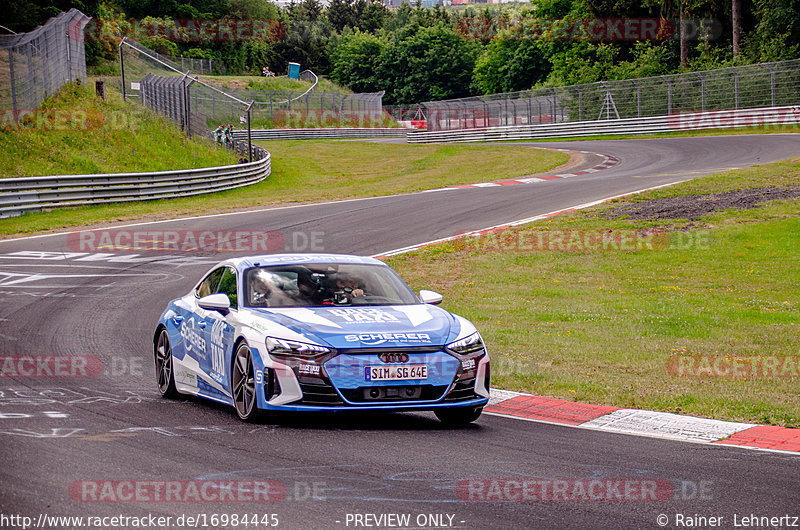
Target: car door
{"x":190,"y":373}
{"x":219,"y":335}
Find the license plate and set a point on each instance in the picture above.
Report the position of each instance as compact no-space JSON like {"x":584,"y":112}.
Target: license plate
{"x":396,"y":372}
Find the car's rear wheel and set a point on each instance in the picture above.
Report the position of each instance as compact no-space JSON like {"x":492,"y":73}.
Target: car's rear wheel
{"x":458,"y":415}
{"x":243,"y":383}
{"x":164,"y":373}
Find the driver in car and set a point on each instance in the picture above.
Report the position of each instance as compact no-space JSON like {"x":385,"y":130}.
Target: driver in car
{"x":260,"y":289}
{"x":347,"y":288}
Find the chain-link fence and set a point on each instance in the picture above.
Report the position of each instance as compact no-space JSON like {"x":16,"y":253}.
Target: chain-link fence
{"x":308,"y":108}
{"x":742,"y":87}
{"x":158,"y":83}
{"x":36,"y":64}
{"x":202,"y":66}
{"x":209,"y":106}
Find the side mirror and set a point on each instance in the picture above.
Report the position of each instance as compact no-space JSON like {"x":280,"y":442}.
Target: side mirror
{"x":216,"y":302}
{"x":430,"y":297}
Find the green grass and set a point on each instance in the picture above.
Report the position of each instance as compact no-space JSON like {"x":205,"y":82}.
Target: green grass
{"x":305,"y":171}
{"x":104,"y":137}
{"x":254,"y":82}
{"x":599,"y":327}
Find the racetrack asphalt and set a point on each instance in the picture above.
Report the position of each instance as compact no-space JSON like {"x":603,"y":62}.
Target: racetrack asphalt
{"x":60,"y":436}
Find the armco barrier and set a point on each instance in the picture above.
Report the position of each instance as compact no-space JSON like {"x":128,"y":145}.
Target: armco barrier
{"x":319,"y":134}
{"x":18,"y":195}
{"x":679,"y":122}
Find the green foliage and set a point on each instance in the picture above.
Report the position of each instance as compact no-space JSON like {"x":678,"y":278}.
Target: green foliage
{"x":776,"y":35}
{"x":509,"y":64}
{"x":427,"y":63}
{"x":356,"y":59}
{"x":419,"y":54}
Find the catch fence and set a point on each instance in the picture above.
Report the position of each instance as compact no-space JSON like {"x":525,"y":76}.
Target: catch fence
{"x":743,"y":87}
{"x":34,"y":65}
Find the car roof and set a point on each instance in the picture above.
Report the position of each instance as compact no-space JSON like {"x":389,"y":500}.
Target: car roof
{"x":299,"y":259}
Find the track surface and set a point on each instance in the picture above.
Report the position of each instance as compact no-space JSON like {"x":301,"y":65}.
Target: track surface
{"x":55,"y":432}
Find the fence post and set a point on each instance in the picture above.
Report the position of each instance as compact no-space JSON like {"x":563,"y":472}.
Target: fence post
{"x":669,"y":94}
{"x":186,"y":101}
{"x":249,"y":134}
{"x":580,"y":103}
{"x":13,"y":84}
{"x":638,"y":98}
{"x":702,"y":91}
{"x":122,"y":68}
{"x":771,"y":82}
{"x":735,"y":87}
{"x":31,"y":77}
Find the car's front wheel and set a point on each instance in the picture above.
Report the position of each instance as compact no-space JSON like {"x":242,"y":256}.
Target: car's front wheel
{"x":243,"y":383}
{"x":164,"y":373}
{"x":458,"y":415}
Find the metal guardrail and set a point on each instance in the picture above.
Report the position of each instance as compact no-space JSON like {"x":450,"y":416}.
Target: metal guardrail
{"x":314,"y":134}
{"x":19,"y":195}
{"x":681,"y":122}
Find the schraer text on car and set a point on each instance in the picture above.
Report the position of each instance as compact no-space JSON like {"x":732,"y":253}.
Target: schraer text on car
{"x":319,"y":332}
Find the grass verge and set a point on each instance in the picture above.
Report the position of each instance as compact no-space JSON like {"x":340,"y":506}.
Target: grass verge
{"x":78,"y":133}
{"x":305,"y":170}
{"x":253,"y":82}
{"x":602,"y":326}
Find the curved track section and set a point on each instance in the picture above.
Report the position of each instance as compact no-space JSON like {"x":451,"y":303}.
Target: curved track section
{"x":77,"y":444}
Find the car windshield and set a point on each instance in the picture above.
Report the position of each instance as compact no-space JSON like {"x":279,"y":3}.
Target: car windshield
{"x":325,"y":284}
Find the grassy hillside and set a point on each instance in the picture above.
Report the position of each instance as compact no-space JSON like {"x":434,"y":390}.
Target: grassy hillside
{"x":76,"y":132}
{"x":253,"y":82}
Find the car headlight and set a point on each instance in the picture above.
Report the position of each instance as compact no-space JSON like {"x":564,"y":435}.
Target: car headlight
{"x":293,"y":348}
{"x":469,"y":344}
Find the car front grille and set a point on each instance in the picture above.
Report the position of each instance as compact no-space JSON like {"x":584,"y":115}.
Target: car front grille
{"x":389,"y":394}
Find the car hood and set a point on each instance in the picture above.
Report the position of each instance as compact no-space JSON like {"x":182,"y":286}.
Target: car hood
{"x":367,"y":327}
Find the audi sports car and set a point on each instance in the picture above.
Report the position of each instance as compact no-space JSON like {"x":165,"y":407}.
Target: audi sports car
{"x":319,"y":332}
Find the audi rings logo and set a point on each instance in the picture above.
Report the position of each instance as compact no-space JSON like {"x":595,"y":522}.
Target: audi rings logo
{"x":394,"y":357}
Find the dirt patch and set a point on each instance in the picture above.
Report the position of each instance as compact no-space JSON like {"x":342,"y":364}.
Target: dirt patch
{"x":694,"y":206}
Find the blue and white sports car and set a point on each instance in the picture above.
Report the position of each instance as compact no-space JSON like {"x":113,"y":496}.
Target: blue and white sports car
{"x":314,"y":332}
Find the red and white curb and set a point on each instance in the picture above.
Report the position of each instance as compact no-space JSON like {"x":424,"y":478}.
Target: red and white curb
{"x":642,"y":422}
{"x":608,"y":162}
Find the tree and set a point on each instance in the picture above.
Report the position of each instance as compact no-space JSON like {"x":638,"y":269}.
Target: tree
{"x":427,"y":63}
{"x":355,"y":61}
{"x":736,"y":22}
{"x":510,"y":63}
